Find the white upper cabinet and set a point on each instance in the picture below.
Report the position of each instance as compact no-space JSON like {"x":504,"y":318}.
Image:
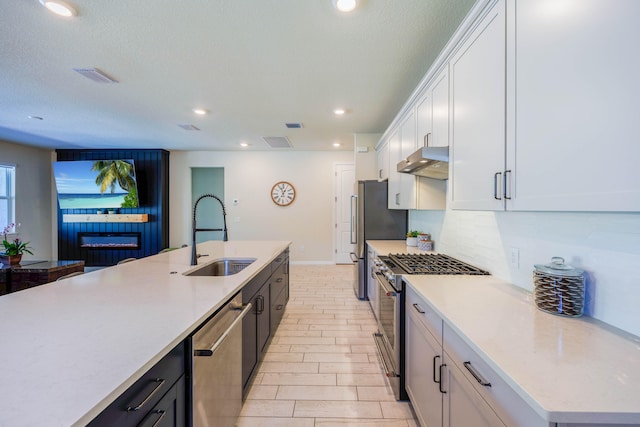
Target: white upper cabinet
{"x":395,"y":153}
{"x":575,"y":93}
{"x":477,"y":155}
{"x":433,"y":113}
{"x":543,"y":94}
{"x":410,"y":191}
{"x":535,"y":99}
{"x":382,"y":157}
{"x":402,"y":187}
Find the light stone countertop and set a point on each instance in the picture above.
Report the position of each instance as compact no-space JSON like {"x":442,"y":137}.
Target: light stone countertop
{"x":385,"y":247}
{"x":567,"y":369}
{"x":69,"y":348}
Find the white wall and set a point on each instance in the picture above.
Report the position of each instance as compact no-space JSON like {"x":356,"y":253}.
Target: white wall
{"x":605,"y":245}
{"x":33,"y":197}
{"x":366,"y":162}
{"x":249,"y":177}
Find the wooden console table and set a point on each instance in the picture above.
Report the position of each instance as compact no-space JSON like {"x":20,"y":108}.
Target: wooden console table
{"x":28,"y":274}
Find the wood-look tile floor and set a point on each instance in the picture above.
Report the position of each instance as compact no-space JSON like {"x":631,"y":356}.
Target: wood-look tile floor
{"x":321,"y":369}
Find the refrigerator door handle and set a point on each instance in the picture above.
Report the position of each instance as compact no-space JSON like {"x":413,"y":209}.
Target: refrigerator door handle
{"x":354,"y":220}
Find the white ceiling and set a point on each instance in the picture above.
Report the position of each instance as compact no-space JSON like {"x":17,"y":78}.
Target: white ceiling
{"x":254,"y":64}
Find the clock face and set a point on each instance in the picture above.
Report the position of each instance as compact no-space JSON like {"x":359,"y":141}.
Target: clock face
{"x":283,"y":193}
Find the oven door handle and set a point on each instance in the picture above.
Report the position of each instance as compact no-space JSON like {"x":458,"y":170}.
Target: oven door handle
{"x":378,"y":340}
{"x":390,"y":292}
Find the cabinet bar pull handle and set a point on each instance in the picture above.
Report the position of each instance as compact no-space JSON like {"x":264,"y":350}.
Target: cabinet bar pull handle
{"x":279,"y":279}
{"x":444,"y":365}
{"x":426,"y":140}
{"x":152,"y":413}
{"x":495,"y":186}
{"x":159,"y":383}
{"x":260,"y":304}
{"x":437,"y":381}
{"x":397,"y":198}
{"x":162,"y":414}
{"x":418,"y":309}
{"x":476,"y":375}
{"x":505,"y":185}
{"x":380,"y":173}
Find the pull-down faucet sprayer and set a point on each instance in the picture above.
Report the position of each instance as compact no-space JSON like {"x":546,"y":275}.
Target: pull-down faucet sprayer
{"x":194,"y":256}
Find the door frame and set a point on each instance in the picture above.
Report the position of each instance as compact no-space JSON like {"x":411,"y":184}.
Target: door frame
{"x":338,"y":201}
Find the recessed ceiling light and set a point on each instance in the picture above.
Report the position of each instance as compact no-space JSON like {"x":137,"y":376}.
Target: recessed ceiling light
{"x":244,"y":144}
{"x":200,"y":111}
{"x":339,"y":111}
{"x":59,"y":7}
{"x":345,"y":5}
{"x":336,"y":144}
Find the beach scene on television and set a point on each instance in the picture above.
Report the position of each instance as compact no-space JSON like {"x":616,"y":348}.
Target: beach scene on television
{"x":96,"y":184}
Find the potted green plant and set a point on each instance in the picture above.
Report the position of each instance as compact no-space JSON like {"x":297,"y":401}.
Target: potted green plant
{"x":13,"y":250}
{"x":412,"y":238}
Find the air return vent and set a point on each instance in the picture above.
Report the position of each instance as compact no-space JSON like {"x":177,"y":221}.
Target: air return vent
{"x":293,"y":125}
{"x":95,"y":75}
{"x":277,"y":141}
{"x":187,"y":126}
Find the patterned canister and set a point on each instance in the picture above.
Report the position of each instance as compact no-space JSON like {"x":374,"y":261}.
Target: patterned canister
{"x":559,"y":288}
{"x":424,"y":242}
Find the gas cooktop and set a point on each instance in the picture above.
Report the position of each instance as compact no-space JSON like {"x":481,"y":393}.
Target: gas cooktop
{"x":433,"y":264}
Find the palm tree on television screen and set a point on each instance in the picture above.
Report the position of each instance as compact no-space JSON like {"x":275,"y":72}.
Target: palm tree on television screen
{"x":112,"y":172}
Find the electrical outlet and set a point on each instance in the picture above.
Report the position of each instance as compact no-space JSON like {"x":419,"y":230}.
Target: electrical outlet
{"x":514,"y":257}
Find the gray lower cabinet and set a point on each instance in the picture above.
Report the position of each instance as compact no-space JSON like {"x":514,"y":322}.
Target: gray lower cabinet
{"x":255,"y":326}
{"x":159,"y":396}
{"x":448,"y":383}
{"x":269,"y":293}
{"x":279,"y":290}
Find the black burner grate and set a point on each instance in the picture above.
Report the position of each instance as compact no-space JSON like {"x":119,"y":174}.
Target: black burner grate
{"x":434,"y":264}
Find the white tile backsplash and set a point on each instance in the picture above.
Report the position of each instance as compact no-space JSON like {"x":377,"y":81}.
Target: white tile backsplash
{"x":605,"y":245}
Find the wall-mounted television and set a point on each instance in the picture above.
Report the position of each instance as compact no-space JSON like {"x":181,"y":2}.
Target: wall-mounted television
{"x":96,"y":184}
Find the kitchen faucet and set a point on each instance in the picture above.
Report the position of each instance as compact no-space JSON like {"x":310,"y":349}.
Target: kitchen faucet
{"x":194,"y":256}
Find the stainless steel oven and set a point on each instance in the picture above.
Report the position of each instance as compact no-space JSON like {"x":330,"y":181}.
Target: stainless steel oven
{"x":388,"y":272}
{"x":388,"y":338}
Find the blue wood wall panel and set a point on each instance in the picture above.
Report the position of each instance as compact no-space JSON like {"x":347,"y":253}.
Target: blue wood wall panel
{"x":152,"y":173}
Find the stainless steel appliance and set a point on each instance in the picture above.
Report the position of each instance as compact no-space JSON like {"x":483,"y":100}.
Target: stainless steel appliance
{"x":372,"y":220}
{"x":430,"y":162}
{"x":217,"y":367}
{"x":388,"y":272}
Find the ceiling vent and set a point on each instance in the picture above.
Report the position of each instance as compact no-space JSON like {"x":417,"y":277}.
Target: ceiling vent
{"x":187,"y":126}
{"x":293,"y":125}
{"x":95,"y":75}
{"x":277,"y":141}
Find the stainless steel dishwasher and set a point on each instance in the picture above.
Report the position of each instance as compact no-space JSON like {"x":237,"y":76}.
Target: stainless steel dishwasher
{"x":217,"y":367}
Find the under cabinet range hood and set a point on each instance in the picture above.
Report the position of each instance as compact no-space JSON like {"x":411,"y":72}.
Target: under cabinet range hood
{"x":430,"y":162}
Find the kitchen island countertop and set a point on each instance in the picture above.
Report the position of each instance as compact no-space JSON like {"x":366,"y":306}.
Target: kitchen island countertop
{"x":569,"y":370}
{"x":69,"y":348}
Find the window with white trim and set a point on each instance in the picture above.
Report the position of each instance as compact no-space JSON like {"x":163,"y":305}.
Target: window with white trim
{"x":7,"y":195}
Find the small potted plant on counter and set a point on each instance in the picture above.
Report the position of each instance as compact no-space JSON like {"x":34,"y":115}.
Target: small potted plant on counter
{"x":13,"y":250}
{"x":412,"y":238}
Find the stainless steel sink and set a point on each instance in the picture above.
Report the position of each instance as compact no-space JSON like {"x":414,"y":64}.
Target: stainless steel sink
{"x":222,"y":267}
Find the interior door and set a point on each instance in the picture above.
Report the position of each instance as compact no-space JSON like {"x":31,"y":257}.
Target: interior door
{"x":345,"y":215}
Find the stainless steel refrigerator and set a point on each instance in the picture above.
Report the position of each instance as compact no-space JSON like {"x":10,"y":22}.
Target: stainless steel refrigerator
{"x":372,"y":220}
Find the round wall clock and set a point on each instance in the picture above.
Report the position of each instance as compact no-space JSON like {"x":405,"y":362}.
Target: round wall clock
{"x":283,"y":193}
